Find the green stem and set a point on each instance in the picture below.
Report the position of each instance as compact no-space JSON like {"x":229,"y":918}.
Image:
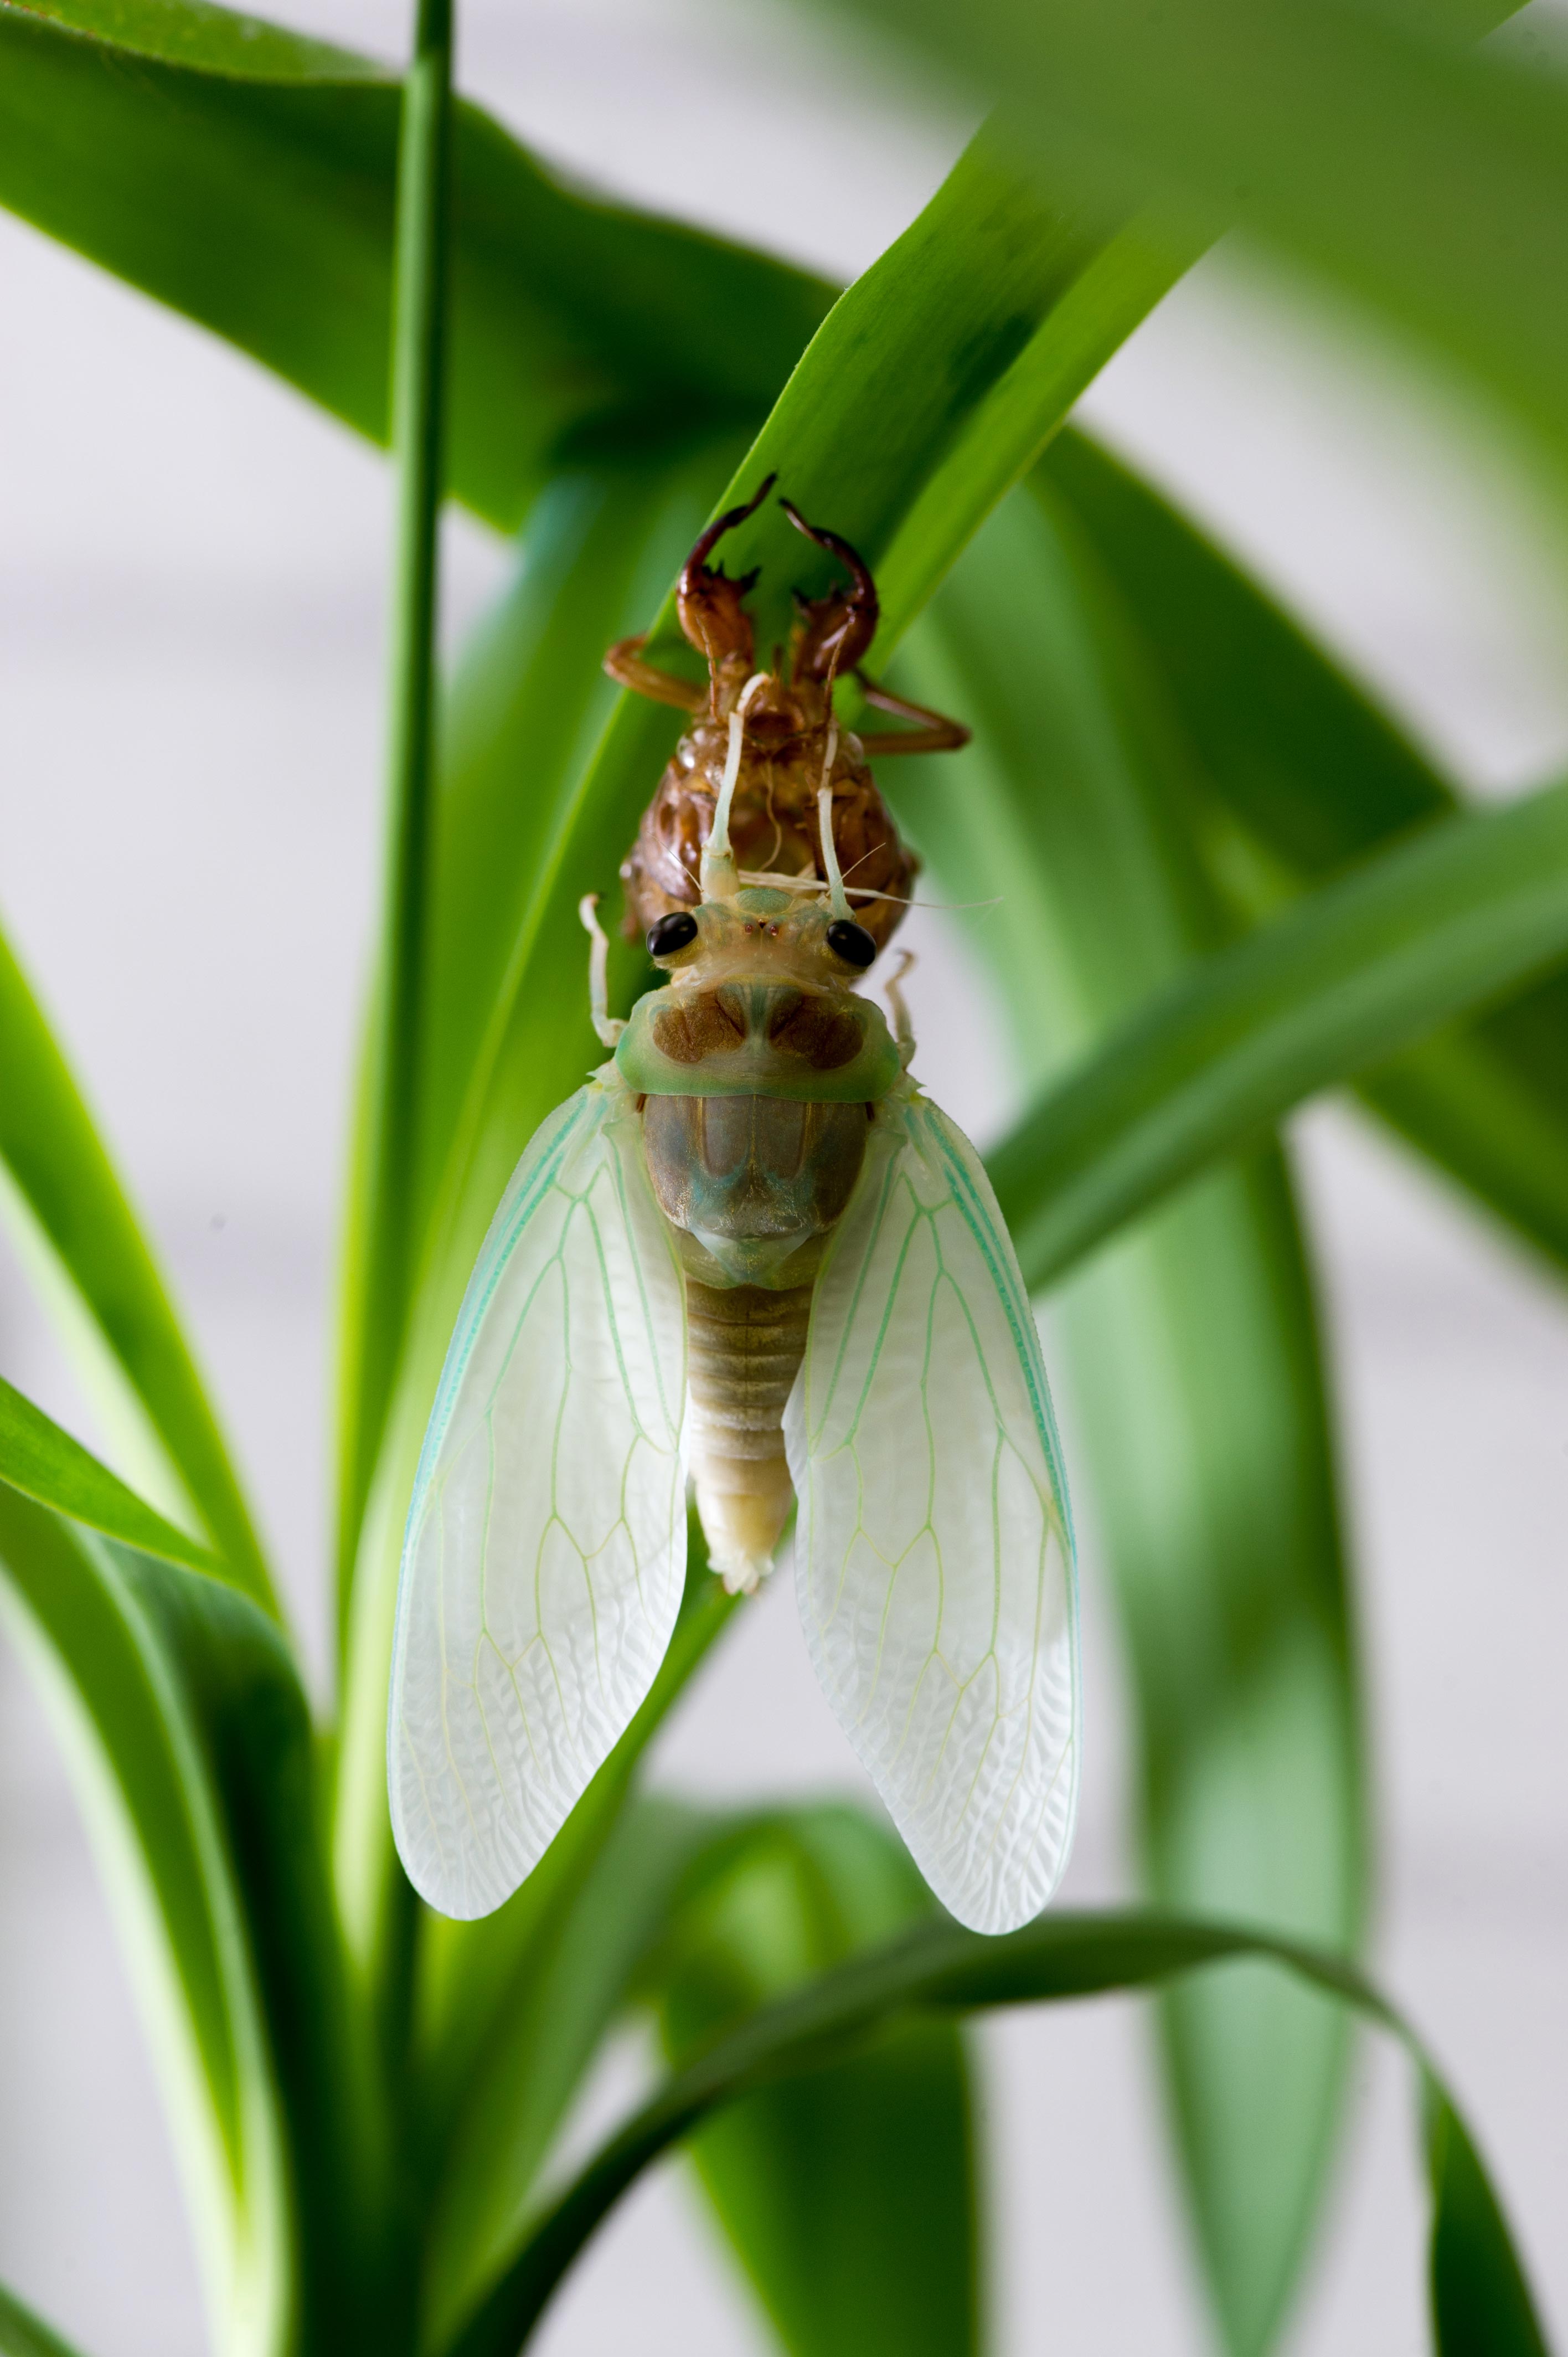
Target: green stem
{"x":378,"y":1309}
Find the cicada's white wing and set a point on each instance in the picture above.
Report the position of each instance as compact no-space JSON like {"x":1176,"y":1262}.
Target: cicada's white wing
{"x":546,"y":1544}
{"x":934,"y":1555}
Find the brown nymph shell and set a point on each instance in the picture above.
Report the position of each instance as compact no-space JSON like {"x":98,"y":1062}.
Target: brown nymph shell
{"x":773,"y":825}
{"x":792,"y":745}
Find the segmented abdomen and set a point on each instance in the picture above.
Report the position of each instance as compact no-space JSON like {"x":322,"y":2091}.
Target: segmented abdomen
{"x":744,"y":1345}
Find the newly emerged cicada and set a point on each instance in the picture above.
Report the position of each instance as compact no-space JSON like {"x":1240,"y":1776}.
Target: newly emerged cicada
{"x":752,"y":1251}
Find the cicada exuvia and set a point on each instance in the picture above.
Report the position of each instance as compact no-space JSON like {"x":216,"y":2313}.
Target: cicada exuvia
{"x":751,"y":1251}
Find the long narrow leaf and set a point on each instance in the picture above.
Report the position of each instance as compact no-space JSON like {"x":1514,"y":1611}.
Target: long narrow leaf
{"x":270,"y":221}
{"x":1347,"y":977}
{"x":1060,"y":1956}
{"x":23,"y":2334}
{"x":58,"y":1166}
{"x":131,"y":1737}
{"x":191,"y":1741}
{"x":1303,"y":762}
{"x":48,"y":1466}
{"x":1192,"y":1365}
{"x":849,"y":2194}
{"x":1371,"y":144}
{"x":384,"y":1234}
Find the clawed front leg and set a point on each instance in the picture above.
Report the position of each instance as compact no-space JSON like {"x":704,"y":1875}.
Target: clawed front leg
{"x":626,"y":666}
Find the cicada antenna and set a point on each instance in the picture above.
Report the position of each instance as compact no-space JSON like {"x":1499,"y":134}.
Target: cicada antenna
{"x":719,"y":878}
{"x":837,"y":896}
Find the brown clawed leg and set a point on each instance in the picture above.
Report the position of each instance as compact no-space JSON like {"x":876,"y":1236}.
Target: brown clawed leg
{"x":931,"y":732}
{"x":837,"y":630}
{"x":709,"y":603}
{"x":625,"y":666}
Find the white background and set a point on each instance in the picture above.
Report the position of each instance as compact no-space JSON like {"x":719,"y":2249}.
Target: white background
{"x":192,"y":577}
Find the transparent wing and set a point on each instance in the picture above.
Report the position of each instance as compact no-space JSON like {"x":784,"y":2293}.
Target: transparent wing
{"x":546,"y":1544}
{"x":934,"y":1555}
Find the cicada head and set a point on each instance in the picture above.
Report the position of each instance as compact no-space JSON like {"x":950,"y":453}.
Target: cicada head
{"x":762,"y":935}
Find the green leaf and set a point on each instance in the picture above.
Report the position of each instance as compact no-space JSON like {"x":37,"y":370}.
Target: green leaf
{"x":46,"y":1464}
{"x":1480,"y":2300}
{"x":75,"y":1208}
{"x":1194,"y":1369}
{"x":1301,"y":774}
{"x":23,"y":2334}
{"x":1061,"y":1955}
{"x":89,"y":1617}
{"x":1347,"y":976}
{"x":1372,"y":145}
{"x":848,"y":2195}
{"x":190,"y":1742}
{"x":245,"y":176}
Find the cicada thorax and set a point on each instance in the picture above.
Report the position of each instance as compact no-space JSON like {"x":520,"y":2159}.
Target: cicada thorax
{"x":791,"y":750}
{"x":759,"y":1072}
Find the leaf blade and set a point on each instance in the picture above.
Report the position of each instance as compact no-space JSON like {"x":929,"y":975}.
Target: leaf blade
{"x":1060,"y":1956}
{"x":57,"y":1165}
{"x":1301,"y":759}
{"x":273,"y":227}
{"x":1366,"y":966}
{"x":48,"y":1466}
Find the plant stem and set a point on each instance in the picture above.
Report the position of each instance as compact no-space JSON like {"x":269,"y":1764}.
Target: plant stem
{"x":378,"y":1312}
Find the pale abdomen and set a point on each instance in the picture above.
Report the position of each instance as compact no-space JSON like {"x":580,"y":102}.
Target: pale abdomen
{"x":757,"y":1182}
{"x":746,"y":1344}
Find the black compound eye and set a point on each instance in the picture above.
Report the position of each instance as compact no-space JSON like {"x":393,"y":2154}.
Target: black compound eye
{"x":675,"y":932}
{"x":851,"y":942}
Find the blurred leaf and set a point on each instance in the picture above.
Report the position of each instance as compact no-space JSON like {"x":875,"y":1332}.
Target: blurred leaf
{"x":92,"y":1620}
{"x":1347,"y":976}
{"x":1192,"y":1350}
{"x":244,"y":176}
{"x":46,"y":1465}
{"x":23,"y":2334}
{"x":1371,"y":144}
{"x":1306,"y":774}
{"x":51,"y":1152}
{"x":1480,"y":2302}
{"x":515,"y":2007}
{"x":1060,"y":1955}
{"x":189,"y":1735}
{"x":848,"y":2194}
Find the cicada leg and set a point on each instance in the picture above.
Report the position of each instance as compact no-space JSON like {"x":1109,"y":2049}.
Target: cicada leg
{"x":930,"y":732}
{"x":903,"y":1029}
{"x":608,"y":1027}
{"x":626,"y":666}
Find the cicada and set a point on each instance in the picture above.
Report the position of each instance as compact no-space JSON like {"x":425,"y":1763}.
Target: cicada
{"x":751,"y":1253}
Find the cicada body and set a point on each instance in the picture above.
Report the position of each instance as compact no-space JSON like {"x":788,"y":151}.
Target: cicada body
{"x":750,"y":1249}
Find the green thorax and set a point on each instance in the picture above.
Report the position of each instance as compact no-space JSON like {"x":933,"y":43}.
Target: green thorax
{"x":746,"y":1038}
